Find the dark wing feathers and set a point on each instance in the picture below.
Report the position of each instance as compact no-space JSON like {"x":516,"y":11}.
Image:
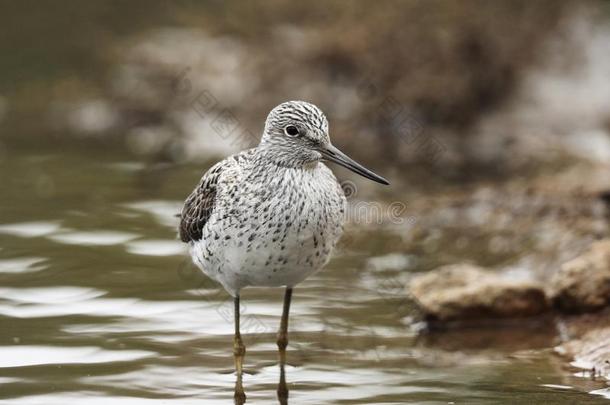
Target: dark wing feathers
{"x":199,"y":205}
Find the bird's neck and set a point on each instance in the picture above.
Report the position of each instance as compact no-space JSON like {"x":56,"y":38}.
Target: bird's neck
{"x":286,"y":156}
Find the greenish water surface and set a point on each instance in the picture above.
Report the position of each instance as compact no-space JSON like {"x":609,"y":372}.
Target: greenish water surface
{"x":98,"y":303}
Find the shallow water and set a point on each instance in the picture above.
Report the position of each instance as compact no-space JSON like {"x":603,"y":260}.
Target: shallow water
{"x":99,"y":303}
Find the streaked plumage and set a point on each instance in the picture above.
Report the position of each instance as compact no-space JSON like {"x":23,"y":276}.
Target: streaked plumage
{"x":267,"y":216}
{"x":271,"y":215}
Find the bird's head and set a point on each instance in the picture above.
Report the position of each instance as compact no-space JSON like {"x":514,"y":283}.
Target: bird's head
{"x":297,"y":132}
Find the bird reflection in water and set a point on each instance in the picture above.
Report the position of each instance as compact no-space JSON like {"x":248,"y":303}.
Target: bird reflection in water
{"x":282,"y":388}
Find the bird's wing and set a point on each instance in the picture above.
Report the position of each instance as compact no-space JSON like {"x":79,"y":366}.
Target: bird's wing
{"x":199,"y":205}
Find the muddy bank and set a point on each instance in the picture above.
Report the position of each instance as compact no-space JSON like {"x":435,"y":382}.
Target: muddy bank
{"x":586,"y":342}
{"x":465,"y":291}
{"x":466,"y":296}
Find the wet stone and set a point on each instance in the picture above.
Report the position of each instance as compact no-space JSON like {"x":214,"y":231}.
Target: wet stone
{"x":464,"y":291}
{"x":583,"y":283}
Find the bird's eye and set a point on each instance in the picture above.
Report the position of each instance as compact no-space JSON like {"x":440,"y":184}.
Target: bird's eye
{"x":291,"y":130}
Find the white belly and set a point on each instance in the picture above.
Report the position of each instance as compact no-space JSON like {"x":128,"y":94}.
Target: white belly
{"x":277,"y":240}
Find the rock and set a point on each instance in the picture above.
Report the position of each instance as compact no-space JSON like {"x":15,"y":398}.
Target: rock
{"x":463,"y":291}
{"x":591,"y":352}
{"x":583,"y":284}
{"x":586,"y":342}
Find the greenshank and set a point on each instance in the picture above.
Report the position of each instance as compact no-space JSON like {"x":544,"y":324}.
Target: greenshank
{"x":270,"y":215}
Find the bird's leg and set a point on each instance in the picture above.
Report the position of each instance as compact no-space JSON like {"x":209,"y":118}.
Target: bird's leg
{"x":239,"y":351}
{"x":282,"y":336}
{"x":282,"y":342}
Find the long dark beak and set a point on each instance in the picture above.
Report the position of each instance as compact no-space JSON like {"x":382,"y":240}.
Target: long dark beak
{"x":333,"y":154}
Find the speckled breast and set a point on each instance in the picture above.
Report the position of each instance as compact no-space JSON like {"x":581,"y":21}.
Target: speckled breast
{"x":273,"y":230}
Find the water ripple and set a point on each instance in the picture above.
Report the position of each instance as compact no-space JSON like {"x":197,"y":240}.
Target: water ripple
{"x":93,"y":238}
{"x":50,"y":295}
{"x":19,"y":356}
{"x":164,"y":212}
{"x":156,"y":247}
{"x":94,"y":398}
{"x":29,"y":229}
{"x":21,"y":265}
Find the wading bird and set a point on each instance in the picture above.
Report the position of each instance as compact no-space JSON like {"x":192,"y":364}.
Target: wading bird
{"x":271,"y":215}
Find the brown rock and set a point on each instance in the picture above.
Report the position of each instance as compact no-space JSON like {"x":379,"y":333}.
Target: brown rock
{"x":463,"y":291}
{"x":583,"y":283}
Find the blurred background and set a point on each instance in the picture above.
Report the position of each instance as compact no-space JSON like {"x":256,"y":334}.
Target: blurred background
{"x":490,"y":119}
{"x":501,"y":85}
